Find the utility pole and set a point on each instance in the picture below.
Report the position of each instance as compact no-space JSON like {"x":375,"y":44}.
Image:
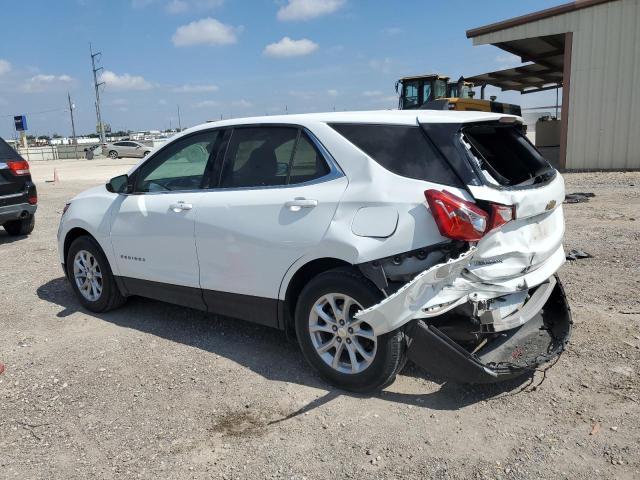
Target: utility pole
{"x":73,"y":125}
{"x":96,"y":86}
{"x":179,"y":121}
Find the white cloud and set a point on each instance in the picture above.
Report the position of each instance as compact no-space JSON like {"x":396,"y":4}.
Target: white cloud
{"x":124,"y":81}
{"x":162,"y":101}
{"x":41,"y":82}
{"x":287,"y":47}
{"x":332,"y":92}
{"x":382,"y":65}
{"x":120,"y":102}
{"x":305,"y":95}
{"x":190,"y":88}
{"x":5,"y":67}
{"x":372,"y":93}
{"x":206,"y":104}
{"x":308,"y":9}
{"x":176,"y":6}
{"x":242,"y":103}
{"x":207,"y":31}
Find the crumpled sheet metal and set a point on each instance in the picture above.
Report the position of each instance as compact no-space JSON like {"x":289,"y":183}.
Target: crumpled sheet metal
{"x":407,"y":303}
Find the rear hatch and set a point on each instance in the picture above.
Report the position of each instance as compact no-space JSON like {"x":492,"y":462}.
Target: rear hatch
{"x":14,"y":185}
{"x":500,"y":166}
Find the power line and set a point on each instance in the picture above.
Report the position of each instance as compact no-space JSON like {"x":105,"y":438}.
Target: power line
{"x":40,"y":112}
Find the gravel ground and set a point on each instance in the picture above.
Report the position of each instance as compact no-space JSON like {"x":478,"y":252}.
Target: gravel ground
{"x":157,"y":391}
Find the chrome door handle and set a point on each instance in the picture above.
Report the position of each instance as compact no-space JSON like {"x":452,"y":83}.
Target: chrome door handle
{"x":180,"y":206}
{"x":300,"y":203}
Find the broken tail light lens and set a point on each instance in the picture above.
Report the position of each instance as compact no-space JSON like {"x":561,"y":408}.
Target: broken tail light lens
{"x":499,"y":215}
{"x":455,"y":217}
{"x":459,"y":219}
{"x":18,"y":167}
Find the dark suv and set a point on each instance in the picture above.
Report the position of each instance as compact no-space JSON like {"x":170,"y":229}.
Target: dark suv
{"x":18,"y":196}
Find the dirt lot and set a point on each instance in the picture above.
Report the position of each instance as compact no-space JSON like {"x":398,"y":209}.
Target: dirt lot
{"x":158,"y":391}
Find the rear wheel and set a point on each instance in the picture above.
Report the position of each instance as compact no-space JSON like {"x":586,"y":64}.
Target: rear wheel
{"x":113,"y":154}
{"x":23,"y":226}
{"x":343,"y":349}
{"x":91,"y":277}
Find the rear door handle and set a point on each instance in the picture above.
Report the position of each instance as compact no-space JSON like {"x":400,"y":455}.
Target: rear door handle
{"x":180,"y":206}
{"x":297,"y":204}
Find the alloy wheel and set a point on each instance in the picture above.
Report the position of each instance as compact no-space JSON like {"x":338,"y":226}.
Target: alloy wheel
{"x":87,"y":275}
{"x":346,"y":344}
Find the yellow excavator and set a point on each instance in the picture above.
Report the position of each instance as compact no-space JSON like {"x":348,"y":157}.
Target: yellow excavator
{"x":435,"y":92}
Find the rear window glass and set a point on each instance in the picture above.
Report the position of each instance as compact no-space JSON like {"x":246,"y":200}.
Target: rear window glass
{"x":504,"y":155}
{"x":403,"y":150}
{"x":7,"y":153}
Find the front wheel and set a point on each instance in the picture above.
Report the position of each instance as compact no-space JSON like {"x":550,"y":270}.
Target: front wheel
{"x":344,"y":350}
{"x":23,"y":226}
{"x":91,"y":277}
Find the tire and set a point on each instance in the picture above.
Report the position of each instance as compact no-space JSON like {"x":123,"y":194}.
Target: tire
{"x":386,"y":353}
{"x":109,"y":297}
{"x":145,"y":154}
{"x":113,"y":155}
{"x":20,"y":227}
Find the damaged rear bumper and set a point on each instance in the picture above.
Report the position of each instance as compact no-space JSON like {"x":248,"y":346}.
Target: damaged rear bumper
{"x":506,"y":355}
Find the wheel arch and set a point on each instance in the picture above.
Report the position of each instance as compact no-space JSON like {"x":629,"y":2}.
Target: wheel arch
{"x":77,"y":232}
{"x":297,"y":282}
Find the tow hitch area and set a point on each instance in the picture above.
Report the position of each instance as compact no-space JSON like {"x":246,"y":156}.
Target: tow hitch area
{"x":448,"y":346}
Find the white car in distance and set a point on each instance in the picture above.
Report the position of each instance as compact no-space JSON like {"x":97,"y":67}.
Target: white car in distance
{"x":376,"y":236}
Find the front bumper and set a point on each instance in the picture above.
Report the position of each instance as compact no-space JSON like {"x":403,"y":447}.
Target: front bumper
{"x":507,"y":355}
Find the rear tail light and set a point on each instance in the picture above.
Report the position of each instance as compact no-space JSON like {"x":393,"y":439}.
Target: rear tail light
{"x":18,"y":167}
{"x":33,"y":199}
{"x":500,"y":214}
{"x":459,"y":219}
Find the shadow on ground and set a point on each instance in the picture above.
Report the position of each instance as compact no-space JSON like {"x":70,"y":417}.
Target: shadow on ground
{"x":263,"y":350}
{"x":5,"y":238}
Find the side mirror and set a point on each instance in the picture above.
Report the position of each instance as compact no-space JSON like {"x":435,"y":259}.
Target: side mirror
{"x":119,"y":184}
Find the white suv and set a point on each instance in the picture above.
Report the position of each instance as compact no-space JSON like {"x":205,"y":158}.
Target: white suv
{"x":376,"y":236}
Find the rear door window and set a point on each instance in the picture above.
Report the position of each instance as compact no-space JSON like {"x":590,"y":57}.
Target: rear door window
{"x":307,"y":163}
{"x":401,"y":149}
{"x":258,"y":157}
{"x":271,"y":156}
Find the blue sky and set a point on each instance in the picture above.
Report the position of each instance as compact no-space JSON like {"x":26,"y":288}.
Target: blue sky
{"x":233,"y":58}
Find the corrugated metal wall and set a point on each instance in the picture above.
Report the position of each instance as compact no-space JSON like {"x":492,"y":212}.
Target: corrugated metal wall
{"x":604,"y":106}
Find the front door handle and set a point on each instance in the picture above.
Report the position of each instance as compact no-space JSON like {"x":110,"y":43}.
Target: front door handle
{"x":297,"y":204}
{"x":180,"y":206}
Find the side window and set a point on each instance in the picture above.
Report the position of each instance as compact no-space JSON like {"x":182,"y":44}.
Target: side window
{"x":119,"y":144}
{"x":179,"y":166}
{"x":307,"y":162}
{"x":258,"y":156}
{"x":403,"y":150}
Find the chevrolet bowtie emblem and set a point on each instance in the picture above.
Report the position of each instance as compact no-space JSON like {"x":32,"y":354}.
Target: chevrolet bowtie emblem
{"x":550,"y":205}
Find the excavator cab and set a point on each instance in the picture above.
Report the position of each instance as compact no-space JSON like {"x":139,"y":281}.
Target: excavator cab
{"x":417,"y":90}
